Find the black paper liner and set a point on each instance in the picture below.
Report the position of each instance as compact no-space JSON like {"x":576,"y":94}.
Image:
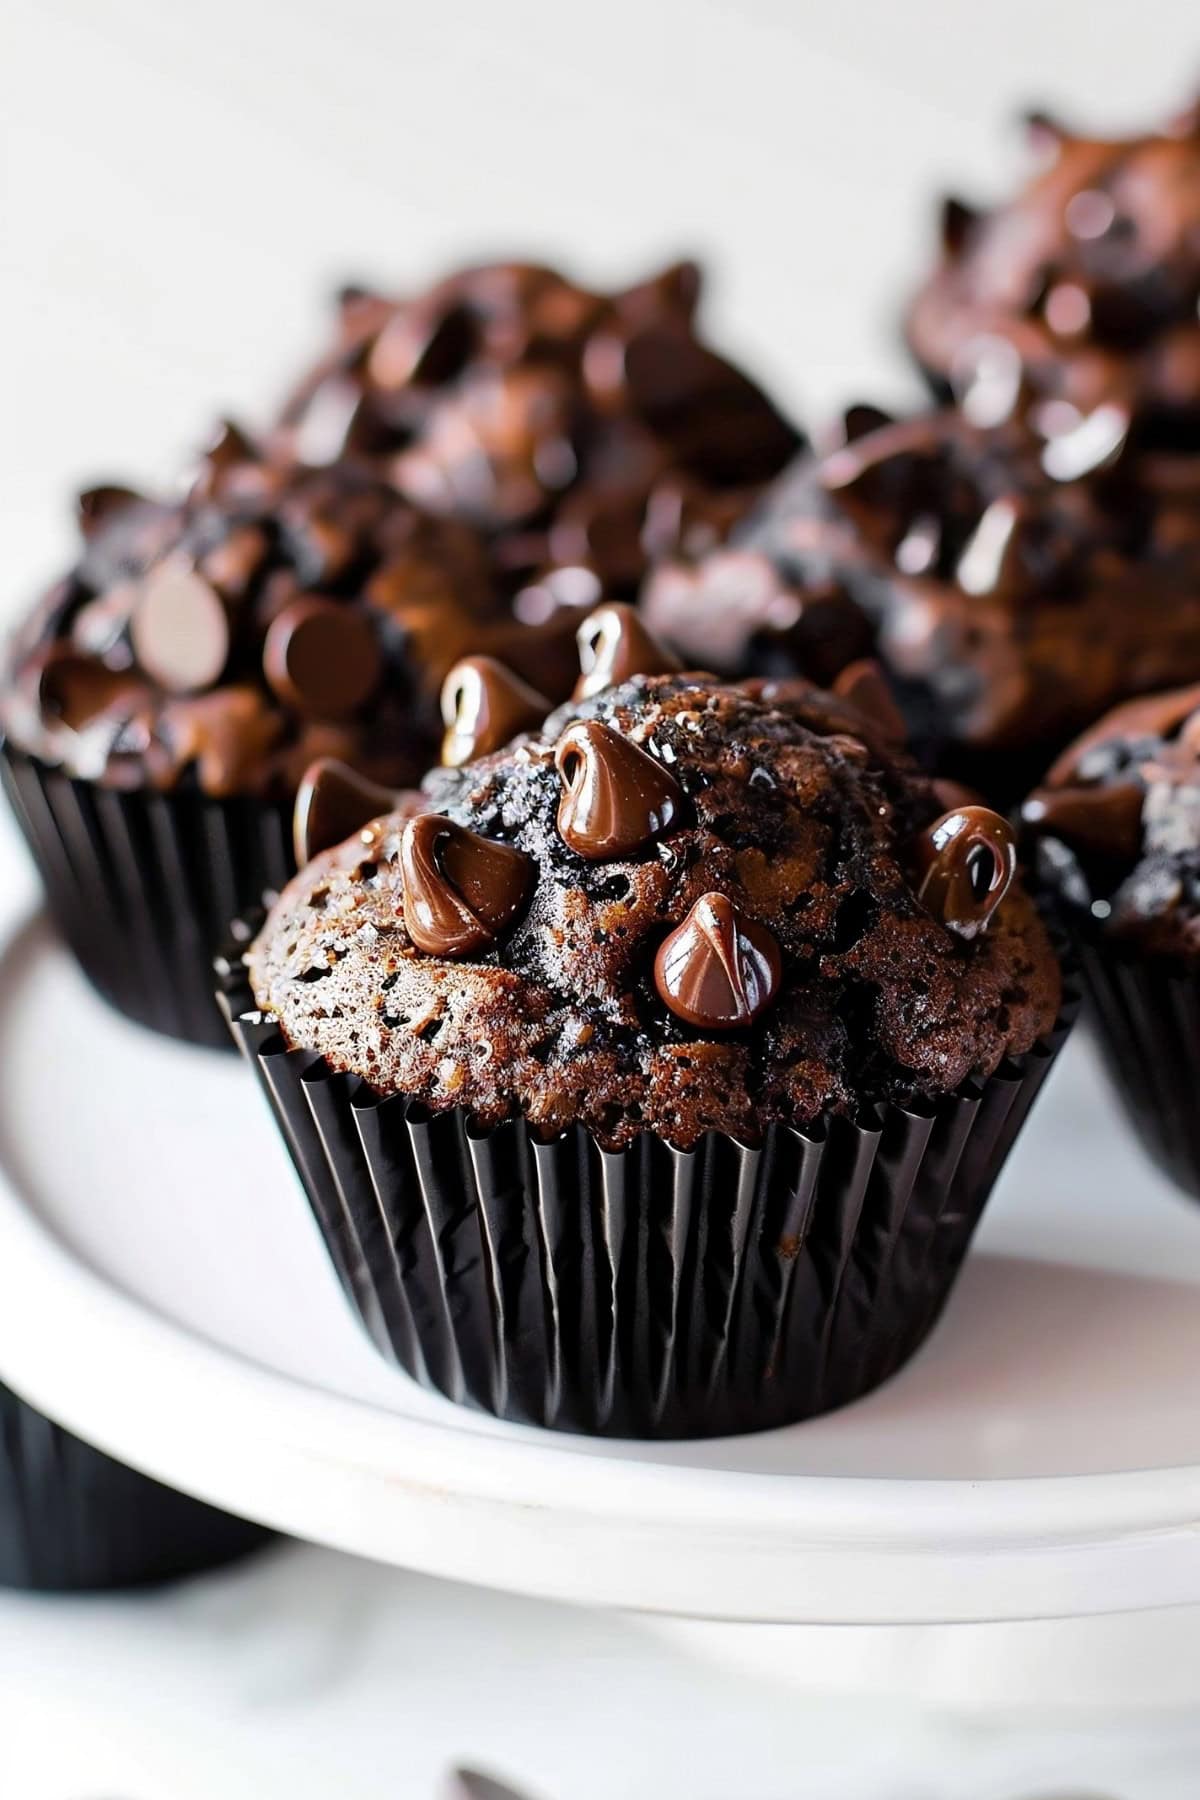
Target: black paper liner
{"x":73,"y":1519}
{"x":142,"y":885}
{"x":1146,"y":1014}
{"x":652,"y":1292}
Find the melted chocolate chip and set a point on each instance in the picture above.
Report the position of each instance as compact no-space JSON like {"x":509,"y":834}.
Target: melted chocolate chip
{"x":720,"y":968}
{"x":484,"y":706}
{"x":322,"y":658}
{"x":616,"y":797}
{"x":332,"y":802}
{"x":180,"y":629}
{"x":864,"y":684}
{"x":613,"y":646}
{"x":460,"y":890}
{"x":969,"y":859}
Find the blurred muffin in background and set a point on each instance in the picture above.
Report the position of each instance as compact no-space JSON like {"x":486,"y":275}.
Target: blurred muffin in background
{"x":165,"y":698}
{"x":1083,"y":289}
{"x":1116,"y":829}
{"x":1015,"y":585}
{"x":583,"y":434}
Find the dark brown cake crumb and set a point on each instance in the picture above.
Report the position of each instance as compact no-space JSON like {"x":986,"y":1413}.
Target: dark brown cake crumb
{"x":774,"y":826}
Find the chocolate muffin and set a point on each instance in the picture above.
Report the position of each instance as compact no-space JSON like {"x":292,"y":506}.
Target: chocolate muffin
{"x":582,"y":433}
{"x":1018,"y":586}
{"x":664,"y":1037}
{"x":1117,"y":825}
{"x":166,"y":697}
{"x":72,"y":1519}
{"x":1081,"y":291}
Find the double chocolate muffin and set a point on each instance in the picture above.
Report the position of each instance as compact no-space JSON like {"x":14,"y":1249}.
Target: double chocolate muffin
{"x":1017,"y":585}
{"x":167,"y":695}
{"x":1083,"y":289}
{"x":1117,"y":825}
{"x":582,"y":433}
{"x":665,"y":1038}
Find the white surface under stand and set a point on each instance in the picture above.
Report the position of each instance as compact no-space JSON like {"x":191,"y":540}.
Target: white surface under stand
{"x":1040,"y":1457}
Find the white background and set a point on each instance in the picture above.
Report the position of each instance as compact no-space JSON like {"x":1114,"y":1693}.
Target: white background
{"x":183,"y":182}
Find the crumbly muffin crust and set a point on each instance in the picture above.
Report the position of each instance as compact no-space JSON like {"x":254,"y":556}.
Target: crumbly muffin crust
{"x":791,"y":812}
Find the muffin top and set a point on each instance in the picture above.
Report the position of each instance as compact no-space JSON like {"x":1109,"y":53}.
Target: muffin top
{"x":1019,"y":586}
{"x":268,"y":616}
{"x":1118,"y":819}
{"x":682,"y":906}
{"x":580,"y":432}
{"x":1085,"y":285}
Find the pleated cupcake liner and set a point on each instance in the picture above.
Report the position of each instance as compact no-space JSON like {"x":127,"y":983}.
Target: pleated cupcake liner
{"x":1146,"y":1015}
{"x":142,"y":885}
{"x":651,"y":1292}
{"x":72,"y":1519}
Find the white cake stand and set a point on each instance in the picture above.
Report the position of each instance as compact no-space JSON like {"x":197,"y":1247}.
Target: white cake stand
{"x":164,"y":1294}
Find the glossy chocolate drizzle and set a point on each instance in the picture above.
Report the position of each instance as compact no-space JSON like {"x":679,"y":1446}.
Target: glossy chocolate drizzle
{"x":460,"y":890}
{"x":616,"y":797}
{"x":719,"y":969}
{"x":614,"y":645}
{"x":969,"y":858}
{"x":484,"y":706}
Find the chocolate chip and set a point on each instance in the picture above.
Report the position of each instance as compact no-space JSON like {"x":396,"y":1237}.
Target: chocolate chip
{"x":616,"y":798}
{"x":76,"y":690}
{"x":180,"y":629}
{"x":460,"y":890}
{"x":333,"y":801}
{"x":614,"y":645}
{"x":322,"y":658}
{"x":95,"y":506}
{"x":865,"y":686}
{"x":719,"y":969}
{"x":969,"y":858}
{"x":484,"y":706}
{"x":1106,"y":820}
{"x":956,"y":221}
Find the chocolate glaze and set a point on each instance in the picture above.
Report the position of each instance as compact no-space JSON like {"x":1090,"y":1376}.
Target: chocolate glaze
{"x":615,"y":796}
{"x":484,"y":706}
{"x":1082,"y":290}
{"x":719,"y":968}
{"x":1117,"y":822}
{"x":460,"y":890}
